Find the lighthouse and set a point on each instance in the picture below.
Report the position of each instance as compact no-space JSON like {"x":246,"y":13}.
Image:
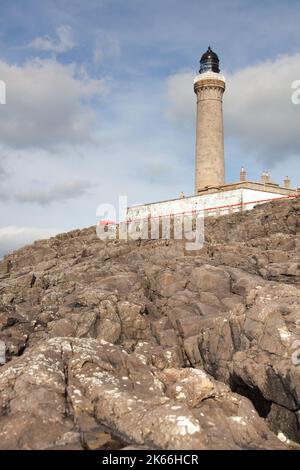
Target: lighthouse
{"x":209,"y":86}
{"x":212,"y":195}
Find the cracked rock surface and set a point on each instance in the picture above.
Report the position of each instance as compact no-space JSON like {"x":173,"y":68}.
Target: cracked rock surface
{"x":114,"y":345}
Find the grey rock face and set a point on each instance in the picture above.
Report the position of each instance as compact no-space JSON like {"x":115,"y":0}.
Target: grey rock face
{"x":79,"y":392}
{"x":141,"y":345}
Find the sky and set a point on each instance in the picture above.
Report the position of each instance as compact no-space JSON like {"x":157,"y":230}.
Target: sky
{"x":100,"y":102}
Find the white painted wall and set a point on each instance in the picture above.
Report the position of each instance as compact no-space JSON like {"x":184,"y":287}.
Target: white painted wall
{"x":218,"y":203}
{"x":215,"y":204}
{"x":250,"y":197}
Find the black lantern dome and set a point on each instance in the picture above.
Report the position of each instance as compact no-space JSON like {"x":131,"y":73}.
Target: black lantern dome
{"x":209,"y":62}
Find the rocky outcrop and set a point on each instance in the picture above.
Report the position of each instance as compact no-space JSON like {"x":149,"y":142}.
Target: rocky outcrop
{"x":115,"y":344}
{"x":89,"y":393}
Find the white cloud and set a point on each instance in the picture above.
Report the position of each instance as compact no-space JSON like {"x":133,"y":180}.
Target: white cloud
{"x":258,"y":109}
{"x":260,"y":112}
{"x":48,"y":104}
{"x":3,"y":172}
{"x":12,"y":237}
{"x":63,"y":43}
{"x":59,"y":192}
{"x":180,"y":98}
{"x":3,"y":196}
{"x":106,"y":46}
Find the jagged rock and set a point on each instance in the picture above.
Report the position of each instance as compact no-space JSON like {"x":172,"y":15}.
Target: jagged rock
{"x":211,"y":279}
{"x":190,"y":386}
{"x":134,"y":323}
{"x":96,"y":439}
{"x":99,"y":336}
{"x":62,"y":388}
{"x":282,"y":420}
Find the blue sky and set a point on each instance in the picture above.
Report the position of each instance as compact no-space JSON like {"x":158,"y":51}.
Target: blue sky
{"x":100,"y":102}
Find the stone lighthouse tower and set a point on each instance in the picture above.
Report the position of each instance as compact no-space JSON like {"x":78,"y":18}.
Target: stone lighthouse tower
{"x":209,"y":87}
